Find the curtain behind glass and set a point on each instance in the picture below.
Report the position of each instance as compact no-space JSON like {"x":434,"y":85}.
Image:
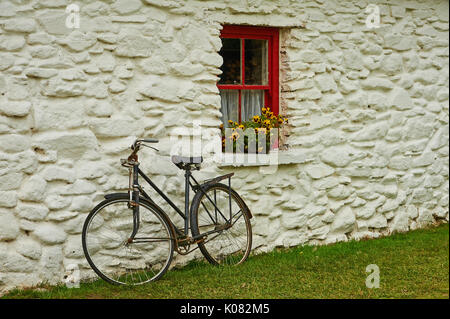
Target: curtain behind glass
{"x":230,"y":105}
{"x":252,"y":102}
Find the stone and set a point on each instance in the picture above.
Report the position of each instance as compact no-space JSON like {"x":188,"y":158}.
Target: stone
{"x":320,"y":233}
{"x":99,"y":108}
{"x":11,"y":42}
{"x":326,"y":183}
{"x":419,"y":127}
{"x":353,"y":60}
{"x":372,"y":132}
{"x":116,"y":87}
{"x":377,"y":221}
{"x":425,"y":217}
{"x":56,"y":87}
{"x":377,"y":101}
{"x":55,"y":202}
{"x":425,"y":159}
{"x":96,"y":88}
{"x":319,"y":171}
{"x":33,"y":212}
{"x":51,"y":261}
{"x":326,"y":83}
{"x":340,"y":192}
{"x":292,"y":220}
{"x":374,"y":83}
{"x":79,"y":41}
{"x":53,"y":21}
{"x":126,"y":6}
{"x":9,"y":227}
{"x":168,"y":90}
{"x":338,"y":156}
{"x":427,"y":77}
{"x":10,"y":181}
{"x":50,"y":234}
{"x":13,"y":143}
{"x":69,"y":144}
{"x":344,"y":221}
{"x":33,"y":189}
{"x":7,"y":9}
{"x":79,"y":187}
{"x":116,"y":126}
{"x":75,"y":225}
{"x":49,"y":114}
{"x":8,"y":199}
{"x":25,"y":25}
{"x":81,"y":204}
{"x":400,"y":99}
{"x":57,"y":173}
{"x":392,"y":64}
{"x":154,"y":65}
{"x":399,"y":42}
{"x":60,"y":216}
{"x":40,"y":73}
{"x":133,"y":45}
{"x":28,"y":247}
{"x":328,"y":217}
{"x":18,"y":109}
{"x":73,"y":248}
{"x":402,"y":163}
{"x":6,"y":61}
{"x":11,"y":261}
{"x":40,"y":38}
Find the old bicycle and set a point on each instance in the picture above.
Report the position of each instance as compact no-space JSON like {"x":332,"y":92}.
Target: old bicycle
{"x":128,"y":239}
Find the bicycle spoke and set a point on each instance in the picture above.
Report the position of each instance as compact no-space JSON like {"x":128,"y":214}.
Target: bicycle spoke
{"x":119,"y":261}
{"x":232,"y":244}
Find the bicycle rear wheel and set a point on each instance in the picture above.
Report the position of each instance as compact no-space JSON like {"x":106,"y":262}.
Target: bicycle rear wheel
{"x":231,"y":242}
{"x":110,"y":254}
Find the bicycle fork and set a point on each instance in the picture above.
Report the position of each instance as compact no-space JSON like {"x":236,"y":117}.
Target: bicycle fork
{"x":133,"y":190}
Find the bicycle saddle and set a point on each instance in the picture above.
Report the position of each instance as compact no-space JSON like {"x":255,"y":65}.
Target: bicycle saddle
{"x":182,"y":161}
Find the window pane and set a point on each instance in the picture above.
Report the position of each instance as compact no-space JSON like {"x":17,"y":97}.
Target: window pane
{"x":256,"y":62}
{"x":252,"y":102}
{"x":231,"y":67}
{"x":230,"y":106}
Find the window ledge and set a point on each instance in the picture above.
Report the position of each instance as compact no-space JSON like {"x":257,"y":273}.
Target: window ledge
{"x":275,"y":157}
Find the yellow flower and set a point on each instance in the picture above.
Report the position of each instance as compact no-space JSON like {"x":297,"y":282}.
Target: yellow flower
{"x":236,"y":124}
{"x":263,"y":110}
{"x":230,"y":122}
{"x":241,"y":126}
{"x":256,"y":119}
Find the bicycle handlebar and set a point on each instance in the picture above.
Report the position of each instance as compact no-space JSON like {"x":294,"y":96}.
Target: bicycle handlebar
{"x":137,"y":144}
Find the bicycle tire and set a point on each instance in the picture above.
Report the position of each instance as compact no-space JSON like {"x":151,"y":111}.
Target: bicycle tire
{"x":143,"y":203}
{"x":205,"y":248}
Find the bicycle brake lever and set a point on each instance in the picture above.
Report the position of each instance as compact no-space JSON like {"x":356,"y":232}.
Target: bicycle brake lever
{"x":151,"y":147}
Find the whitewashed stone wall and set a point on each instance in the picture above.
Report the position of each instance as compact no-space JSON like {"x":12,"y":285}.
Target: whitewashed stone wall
{"x":368,"y":141}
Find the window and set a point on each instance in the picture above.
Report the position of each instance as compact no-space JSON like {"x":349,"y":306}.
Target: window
{"x":249,"y":78}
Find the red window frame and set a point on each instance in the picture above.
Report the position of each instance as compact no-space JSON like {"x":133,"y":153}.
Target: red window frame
{"x":271,"y":96}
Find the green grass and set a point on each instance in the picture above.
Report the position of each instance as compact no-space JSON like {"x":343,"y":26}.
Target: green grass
{"x":412,"y":265}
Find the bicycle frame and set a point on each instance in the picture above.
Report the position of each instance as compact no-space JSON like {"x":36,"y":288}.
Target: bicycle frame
{"x":135,"y":190}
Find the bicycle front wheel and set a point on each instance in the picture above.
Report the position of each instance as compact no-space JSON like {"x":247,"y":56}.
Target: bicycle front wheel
{"x":226,"y":222}
{"x":110,"y":253}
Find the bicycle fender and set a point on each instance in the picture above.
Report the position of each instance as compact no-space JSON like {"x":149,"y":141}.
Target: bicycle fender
{"x":115,"y":195}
